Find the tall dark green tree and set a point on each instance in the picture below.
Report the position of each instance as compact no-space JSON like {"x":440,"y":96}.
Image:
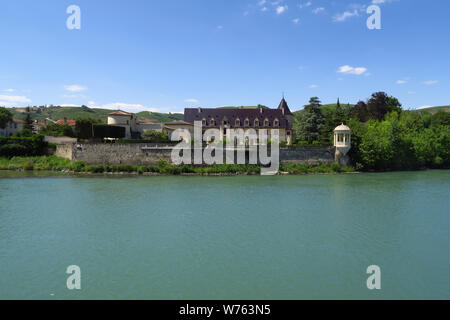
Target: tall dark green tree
{"x":5,"y":117}
{"x":309,"y":124}
{"x":360,"y":112}
{"x":28,"y":124}
{"x":381,"y":104}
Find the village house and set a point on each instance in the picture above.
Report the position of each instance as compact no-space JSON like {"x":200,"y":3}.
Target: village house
{"x":246,"y":119}
{"x":11,"y":127}
{"x":134,"y":127}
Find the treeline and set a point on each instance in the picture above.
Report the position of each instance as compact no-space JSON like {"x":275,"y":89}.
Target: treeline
{"x":384,"y":136}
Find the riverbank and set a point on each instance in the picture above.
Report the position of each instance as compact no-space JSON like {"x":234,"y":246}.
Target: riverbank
{"x":56,"y":164}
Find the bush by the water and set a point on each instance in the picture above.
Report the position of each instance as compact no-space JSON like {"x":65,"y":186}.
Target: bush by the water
{"x":22,"y":146}
{"x":53,"y":163}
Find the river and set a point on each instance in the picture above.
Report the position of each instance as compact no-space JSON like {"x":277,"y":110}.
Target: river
{"x":245,"y":237}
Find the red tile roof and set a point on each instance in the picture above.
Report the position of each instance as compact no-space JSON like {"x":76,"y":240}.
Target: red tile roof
{"x":69,"y":122}
{"x":120,"y":113}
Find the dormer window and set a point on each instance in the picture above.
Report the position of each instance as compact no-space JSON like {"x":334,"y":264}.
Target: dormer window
{"x":256,"y":123}
{"x":237,"y":123}
{"x":203,"y":122}
{"x":212,"y":122}
{"x":266,"y":123}
{"x":276,"y":123}
{"x":246,"y":123}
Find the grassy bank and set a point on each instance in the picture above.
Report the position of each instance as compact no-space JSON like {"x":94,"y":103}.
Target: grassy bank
{"x":53,"y":163}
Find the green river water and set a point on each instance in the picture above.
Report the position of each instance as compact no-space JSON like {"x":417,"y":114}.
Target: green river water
{"x":245,"y":237}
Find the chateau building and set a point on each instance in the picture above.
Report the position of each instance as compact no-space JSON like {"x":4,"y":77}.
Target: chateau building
{"x":246,"y":119}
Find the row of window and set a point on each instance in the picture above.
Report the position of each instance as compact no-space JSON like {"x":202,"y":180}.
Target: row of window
{"x":237,"y":123}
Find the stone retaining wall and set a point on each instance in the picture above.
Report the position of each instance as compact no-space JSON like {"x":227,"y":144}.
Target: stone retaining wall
{"x":151,"y":154}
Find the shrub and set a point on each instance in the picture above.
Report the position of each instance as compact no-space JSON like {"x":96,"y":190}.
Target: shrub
{"x":12,"y":150}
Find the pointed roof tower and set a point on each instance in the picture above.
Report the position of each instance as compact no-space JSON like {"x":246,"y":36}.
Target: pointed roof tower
{"x":284,"y":107}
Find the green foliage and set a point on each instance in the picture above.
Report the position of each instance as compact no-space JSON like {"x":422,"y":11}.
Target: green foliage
{"x":406,"y":141}
{"x":22,"y":146}
{"x":28,"y":124}
{"x":5,"y":117}
{"x":57,"y":130}
{"x":155,"y":136}
{"x":84,"y":128}
{"x":23,"y":133}
{"x":309,"y":124}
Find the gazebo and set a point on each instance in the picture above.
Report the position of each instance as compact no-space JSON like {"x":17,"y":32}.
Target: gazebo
{"x":343,"y":143}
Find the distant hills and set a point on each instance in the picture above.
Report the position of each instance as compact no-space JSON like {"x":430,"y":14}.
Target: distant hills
{"x":435,"y":109}
{"x":56,"y":113}
{"x":72,"y":113}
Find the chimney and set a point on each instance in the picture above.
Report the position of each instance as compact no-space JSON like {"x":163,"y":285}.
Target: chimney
{"x":199,"y":110}
{"x":260,"y":110}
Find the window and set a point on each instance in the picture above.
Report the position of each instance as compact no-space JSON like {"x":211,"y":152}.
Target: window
{"x":246,"y":123}
{"x":256,"y":123}
{"x":212,"y":122}
{"x":225,"y":121}
{"x":276,"y":123}
{"x":266,"y":123}
{"x":203,"y":122}
{"x":237,"y":123}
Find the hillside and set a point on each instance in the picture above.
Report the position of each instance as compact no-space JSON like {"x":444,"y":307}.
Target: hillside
{"x":433,"y":110}
{"x":73,"y":113}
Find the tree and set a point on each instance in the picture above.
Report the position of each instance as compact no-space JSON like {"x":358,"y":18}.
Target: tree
{"x":309,"y":124}
{"x":5,"y":117}
{"x":360,"y":112}
{"x":28,"y":124}
{"x":84,"y":128}
{"x":380,"y":104}
{"x":57,"y":130}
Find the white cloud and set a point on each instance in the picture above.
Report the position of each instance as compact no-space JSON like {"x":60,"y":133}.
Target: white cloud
{"x":219,"y":27}
{"x":9,"y":90}
{"x":264,"y":9}
{"x":11,"y":101}
{"x":262,"y":2}
{"x":313,"y":86}
{"x":401,"y":81}
{"x":305,"y":5}
{"x":296,"y":20}
{"x":380,"y":1}
{"x":192,"y":101}
{"x":344,"y":16}
{"x":281,"y":9}
{"x":430,"y":82}
{"x":411,"y":92}
{"x":74,"y":88}
{"x":351,"y":70}
{"x":130,"y":107}
{"x":91,"y":103}
{"x":318,"y":10}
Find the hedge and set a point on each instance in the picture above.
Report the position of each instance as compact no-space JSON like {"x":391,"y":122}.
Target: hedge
{"x":22,"y":146}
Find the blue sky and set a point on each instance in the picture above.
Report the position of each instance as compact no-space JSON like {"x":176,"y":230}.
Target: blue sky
{"x":165,"y":55}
